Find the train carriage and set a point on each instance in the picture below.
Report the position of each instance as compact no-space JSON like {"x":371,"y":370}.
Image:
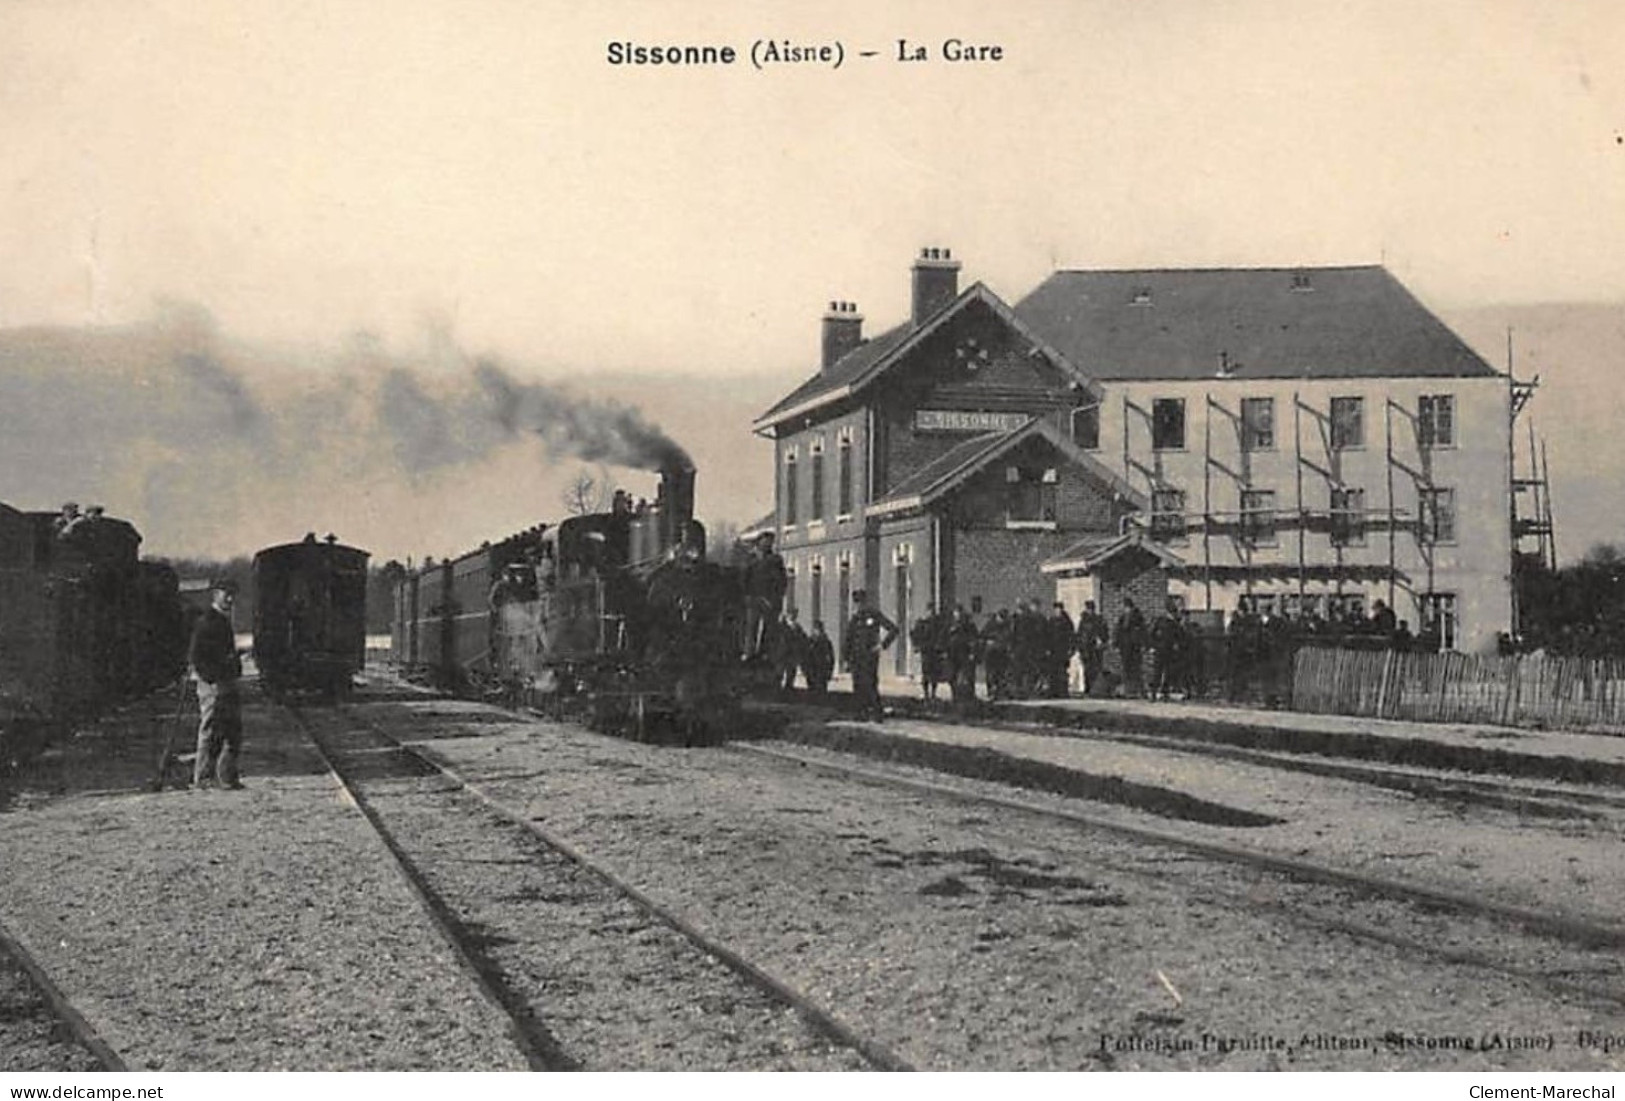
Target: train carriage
{"x":83,"y":622}
{"x":310,"y":615}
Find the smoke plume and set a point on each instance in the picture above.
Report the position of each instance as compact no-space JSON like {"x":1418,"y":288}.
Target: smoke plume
{"x":213,"y":445}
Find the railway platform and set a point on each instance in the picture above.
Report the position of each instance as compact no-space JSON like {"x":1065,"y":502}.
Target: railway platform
{"x":1532,"y":754}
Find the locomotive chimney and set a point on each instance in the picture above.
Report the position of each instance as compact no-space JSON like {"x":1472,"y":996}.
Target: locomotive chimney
{"x":936,"y":282}
{"x":676,"y":500}
{"x":843,"y":331}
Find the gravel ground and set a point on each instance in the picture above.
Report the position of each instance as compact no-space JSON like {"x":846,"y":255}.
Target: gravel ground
{"x":252,"y":930}
{"x":31,"y":1037}
{"x":970,"y":939}
{"x":614,"y":988}
{"x":269,"y":928}
{"x":1548,"y":863}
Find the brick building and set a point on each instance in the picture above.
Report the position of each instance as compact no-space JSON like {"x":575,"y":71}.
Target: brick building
{"x":1298,"y":437}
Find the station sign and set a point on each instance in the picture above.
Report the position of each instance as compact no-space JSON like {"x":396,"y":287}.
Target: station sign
{"x":967,"y":420}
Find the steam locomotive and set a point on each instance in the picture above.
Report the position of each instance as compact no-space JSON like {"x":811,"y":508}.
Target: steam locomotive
{"x":86,"y":622}
{"x":310,"y":616}
{"x":618,"y":613}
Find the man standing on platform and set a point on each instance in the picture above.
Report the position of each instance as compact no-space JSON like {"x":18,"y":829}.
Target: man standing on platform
{"x":868,"y":633}
{"x":217,"y":668}
{"x":1058,"y":654}
{"x":820,"y":660}
{"x":1093,"y":635}
{"x":1132,"y":635}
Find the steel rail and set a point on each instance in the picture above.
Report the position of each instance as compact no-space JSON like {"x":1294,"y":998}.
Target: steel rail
{"x":541,"y":1050}
{"x":821,"y":1019}
{"x":83,"y":1031}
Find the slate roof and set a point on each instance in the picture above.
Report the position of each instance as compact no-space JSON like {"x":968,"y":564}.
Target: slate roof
{"x":870,"y":359}
{"x":1343,"y":322}
{"x":949,"y":471}
{"x":846,"y":370}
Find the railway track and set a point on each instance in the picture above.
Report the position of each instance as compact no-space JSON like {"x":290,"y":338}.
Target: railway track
{"x":592,"y":972}
{"x":40,"y":1029}
{"x":1564,"y":946}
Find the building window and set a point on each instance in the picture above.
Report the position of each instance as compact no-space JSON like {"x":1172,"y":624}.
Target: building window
{"x":790,"y":587}
{"x":790,"y":519}
{"x":1031,"y":495}
{"x":1436,"y":516}
{"x":1258,"y":424}
{"x":1348,"y":423}
{"x":1348,"y":517}
{"x":1168,"y":515}
{"x":902,"y":608}
{"x":1086,"y":427}
{"x":1168,"y":424}
{"x":1436,"y":420}
{"x":1258,"y":517}
{"x":843,"y":607}
{"x":815,"y":590}
{"x":1439,"y":619}
{"x":817,"y":449}
{"x":846,"y":472}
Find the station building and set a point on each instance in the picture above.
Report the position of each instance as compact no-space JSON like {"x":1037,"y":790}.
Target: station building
{"x":1298,"y":438}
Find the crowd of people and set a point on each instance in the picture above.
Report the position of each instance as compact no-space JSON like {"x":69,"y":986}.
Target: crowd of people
{"x":1026,"y":652}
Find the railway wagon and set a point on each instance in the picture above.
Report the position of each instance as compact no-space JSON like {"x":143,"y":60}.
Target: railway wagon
{"x":83,"y":622}
{"x":310,"y":615}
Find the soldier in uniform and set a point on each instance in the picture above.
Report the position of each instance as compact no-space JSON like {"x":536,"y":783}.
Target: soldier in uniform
{"x":765,"y":584}
{"x":997,"y":637}
{"x":927,"y":637}
{"x":963,"y":643}
{"x":819,"y":663}
{"x":217,"y":667}
{"x":1131,"y":640}
{"x":1093,"y":635}
{"x":788,"y":648}
{"x":867,"y":634}
{"x":1059,"y":651}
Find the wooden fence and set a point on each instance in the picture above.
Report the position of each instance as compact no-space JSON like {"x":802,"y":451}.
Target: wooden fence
{"x":1523,"y":690}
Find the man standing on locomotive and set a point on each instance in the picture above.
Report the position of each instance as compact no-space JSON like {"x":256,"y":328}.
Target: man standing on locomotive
{"x":868,"y":633}
{"x":217,"y":668}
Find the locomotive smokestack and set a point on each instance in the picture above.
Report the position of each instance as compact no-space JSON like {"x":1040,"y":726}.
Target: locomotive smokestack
{"x":676,"y":497}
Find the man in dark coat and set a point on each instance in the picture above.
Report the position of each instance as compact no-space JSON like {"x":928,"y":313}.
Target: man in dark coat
{"x":996,"y":641}
{"x":765,"y":585}
{"x":1059,"y":652}
{"x":867,"y":634}
{"x":787,"y":647}
{"x":1165,"y":654}
{"x":217,"y":667}
{"x":819,"y":662}
{"x":1093,"y":635}
{"x":1132,"y":636}
{"x":964,"y":643}
{"x":928,"y":637}
{"x":1029,"y":635}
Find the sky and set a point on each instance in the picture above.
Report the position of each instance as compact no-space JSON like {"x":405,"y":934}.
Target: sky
{"x":310,"y":200}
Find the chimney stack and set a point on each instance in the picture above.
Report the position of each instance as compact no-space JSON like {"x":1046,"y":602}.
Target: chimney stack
{"x":936,"y":282}
{"x":843,"y":331}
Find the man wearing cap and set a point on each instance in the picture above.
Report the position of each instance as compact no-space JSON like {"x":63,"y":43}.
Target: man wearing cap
{"x":868,"y":633}
{"x":217,"y":668}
